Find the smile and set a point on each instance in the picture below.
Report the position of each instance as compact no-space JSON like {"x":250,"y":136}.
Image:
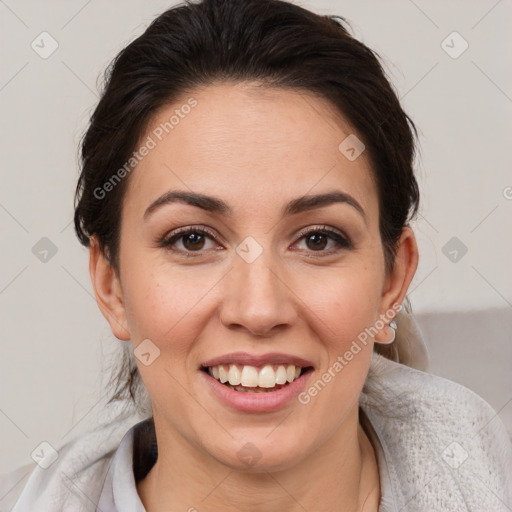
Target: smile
{"x":250,"y":379}
{"x":256,"y":383}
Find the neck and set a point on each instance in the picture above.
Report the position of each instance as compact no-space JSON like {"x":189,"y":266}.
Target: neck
{"x":342,"y":474}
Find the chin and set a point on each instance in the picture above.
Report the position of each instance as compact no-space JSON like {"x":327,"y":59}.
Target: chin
{"x":259,"y":454}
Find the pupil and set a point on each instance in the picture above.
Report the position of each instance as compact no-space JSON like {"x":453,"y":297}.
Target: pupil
{"x":319,"y":238}
{"x":196,"y":240}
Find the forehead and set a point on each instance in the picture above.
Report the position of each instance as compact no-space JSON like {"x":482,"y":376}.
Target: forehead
{"x":247,"y":143}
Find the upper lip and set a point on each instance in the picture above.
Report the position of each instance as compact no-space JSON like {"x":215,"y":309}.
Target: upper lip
{"x":244,"y":358}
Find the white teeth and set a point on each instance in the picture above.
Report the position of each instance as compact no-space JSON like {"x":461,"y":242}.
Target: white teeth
{"x":290,"y":373}
{"x":234,"y":375}
{"x":223,"y":374}
{"x":281,"y":375}
{"x":250,"y":377}
{"x":267,"y":377}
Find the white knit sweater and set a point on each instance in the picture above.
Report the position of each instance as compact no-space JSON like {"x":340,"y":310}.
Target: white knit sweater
{"x":440,"y":447}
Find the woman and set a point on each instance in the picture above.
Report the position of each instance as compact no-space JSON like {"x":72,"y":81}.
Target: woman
{"x":246,"y":192}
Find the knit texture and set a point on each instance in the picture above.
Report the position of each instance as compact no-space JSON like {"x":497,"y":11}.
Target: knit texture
{"x":446,"y":449}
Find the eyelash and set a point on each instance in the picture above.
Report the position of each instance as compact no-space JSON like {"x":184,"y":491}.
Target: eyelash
{"x":342,"y":241}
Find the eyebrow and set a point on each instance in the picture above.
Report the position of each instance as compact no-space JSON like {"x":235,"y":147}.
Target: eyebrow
{"x":218,"y":206}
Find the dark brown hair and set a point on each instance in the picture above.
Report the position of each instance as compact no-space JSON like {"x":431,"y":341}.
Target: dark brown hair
{"x":273,"y":42}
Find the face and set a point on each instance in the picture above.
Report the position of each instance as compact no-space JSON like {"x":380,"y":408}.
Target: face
{"x":248,"y":239}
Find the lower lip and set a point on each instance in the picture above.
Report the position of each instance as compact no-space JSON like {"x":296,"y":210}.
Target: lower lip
{"x":257,"y":402}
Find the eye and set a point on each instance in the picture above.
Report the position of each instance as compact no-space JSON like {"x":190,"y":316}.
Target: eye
{"x":192,"y":239}
{"x":317,"y":239}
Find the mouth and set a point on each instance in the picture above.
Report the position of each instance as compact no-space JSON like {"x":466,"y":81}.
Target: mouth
{"x":262,"y":383}
{"x":266,"y":378}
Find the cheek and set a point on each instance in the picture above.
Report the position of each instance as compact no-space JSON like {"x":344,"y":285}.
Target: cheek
{"x":347,"y":303}
{"x":168,"y":307}
{"x":345,"y":309}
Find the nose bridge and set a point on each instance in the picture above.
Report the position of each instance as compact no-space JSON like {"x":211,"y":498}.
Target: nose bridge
{"x":257,"y":297}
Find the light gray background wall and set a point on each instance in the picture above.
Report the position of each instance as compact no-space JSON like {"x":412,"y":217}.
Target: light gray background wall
{"x":55,"y":343}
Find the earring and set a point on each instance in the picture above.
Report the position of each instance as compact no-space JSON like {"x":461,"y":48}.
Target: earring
{"x":380,"y":337}
{"x":393,"y":327}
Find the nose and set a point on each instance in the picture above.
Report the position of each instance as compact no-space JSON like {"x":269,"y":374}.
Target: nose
{"x":257,"y":298}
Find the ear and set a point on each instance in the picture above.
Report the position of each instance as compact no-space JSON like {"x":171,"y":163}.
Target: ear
{"x":107,"y":290}
{"x":398,"y":281}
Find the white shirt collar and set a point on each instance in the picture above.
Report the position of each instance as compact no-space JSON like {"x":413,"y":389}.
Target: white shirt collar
{"x":119,"y":493}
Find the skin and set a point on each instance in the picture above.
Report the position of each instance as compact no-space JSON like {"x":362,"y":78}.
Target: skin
{"x":256,"y":149}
